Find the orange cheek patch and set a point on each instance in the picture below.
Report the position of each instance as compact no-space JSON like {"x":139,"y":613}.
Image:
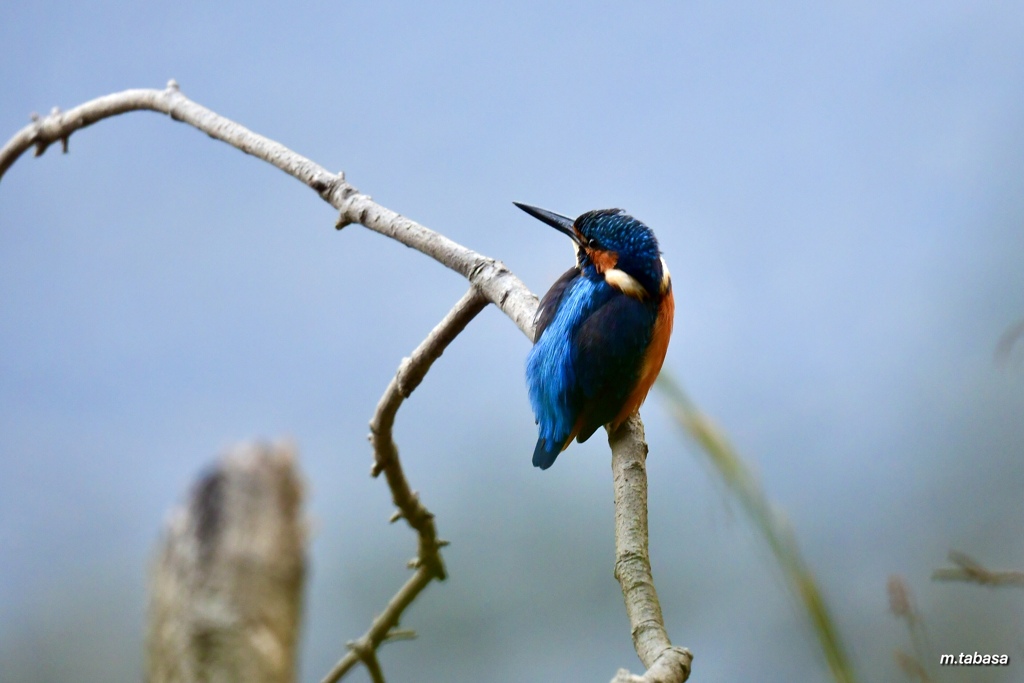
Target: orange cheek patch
{"x":603,"y":260}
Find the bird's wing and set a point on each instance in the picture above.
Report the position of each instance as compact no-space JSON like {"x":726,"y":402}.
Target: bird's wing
{"x":553,"y":299}
{"x":609,"y":351}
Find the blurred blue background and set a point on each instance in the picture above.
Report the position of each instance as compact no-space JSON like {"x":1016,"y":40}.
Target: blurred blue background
{"x":838,"y":189}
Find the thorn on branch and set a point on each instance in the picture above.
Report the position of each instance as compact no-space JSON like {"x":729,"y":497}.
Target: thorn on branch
{"x":339,"y":196}
{"x":367,"y":654}
{"x":172,"y":110}
{"x":399,"y":634}
{"x":395,"y":516}
{"x":969,"y":569}
{"x":360,"y":648}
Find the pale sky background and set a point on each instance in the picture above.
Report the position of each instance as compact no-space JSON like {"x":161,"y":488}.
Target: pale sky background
{"x":838,"y":189}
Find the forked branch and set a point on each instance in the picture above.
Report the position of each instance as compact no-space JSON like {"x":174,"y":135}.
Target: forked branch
{"x":491,"y":282}
{"x":428,"y":562}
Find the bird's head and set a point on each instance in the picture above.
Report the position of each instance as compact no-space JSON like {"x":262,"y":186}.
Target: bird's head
{"x":613,"y":245}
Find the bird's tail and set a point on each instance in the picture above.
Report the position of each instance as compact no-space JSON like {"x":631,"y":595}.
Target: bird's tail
{"x":544,"y":455}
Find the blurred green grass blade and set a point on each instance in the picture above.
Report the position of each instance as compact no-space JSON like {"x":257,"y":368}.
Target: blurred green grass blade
{"x":744,"y":486}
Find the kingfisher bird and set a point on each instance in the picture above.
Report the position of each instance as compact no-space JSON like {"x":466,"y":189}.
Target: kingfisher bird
{"x":602,"y":330}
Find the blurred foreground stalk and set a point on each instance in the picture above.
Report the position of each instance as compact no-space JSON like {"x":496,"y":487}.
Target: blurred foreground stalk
{"x":741,"y":481}
{"x":226,"y":588}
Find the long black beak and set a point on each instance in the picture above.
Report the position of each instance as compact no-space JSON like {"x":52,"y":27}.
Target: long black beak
{"x":562,"y":224}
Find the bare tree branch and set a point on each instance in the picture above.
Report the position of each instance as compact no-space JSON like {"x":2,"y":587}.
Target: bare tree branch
{"x":970,"y":570}
{"x":665,"y":663}
{"x":490,"y":279}
{"x":428,"y":562}
{"x":410,"y":373}
{"x":226,"y":590}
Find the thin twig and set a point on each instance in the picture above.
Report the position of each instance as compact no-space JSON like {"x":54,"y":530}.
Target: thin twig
{"x":428,"y":563}
{"x":410,"y":374}
{"x":968,"y":569}
{"x":911,"y":666}
{"x":367,"y":654}
{"x":903,"y":606}
{"x":773,"y":527}
{"x":383,"y":621}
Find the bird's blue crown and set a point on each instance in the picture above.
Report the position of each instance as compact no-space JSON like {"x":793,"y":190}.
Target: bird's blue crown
{"x":636,"y":247}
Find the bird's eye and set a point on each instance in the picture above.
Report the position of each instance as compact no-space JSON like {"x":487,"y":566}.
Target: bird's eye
{"x":592,"y":243}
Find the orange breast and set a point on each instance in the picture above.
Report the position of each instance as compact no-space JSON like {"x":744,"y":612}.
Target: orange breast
{"x":653,"y":359}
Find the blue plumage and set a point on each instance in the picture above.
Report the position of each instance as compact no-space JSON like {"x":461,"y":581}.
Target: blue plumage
{"x":602,"y":330}
{"x":552,"y":365}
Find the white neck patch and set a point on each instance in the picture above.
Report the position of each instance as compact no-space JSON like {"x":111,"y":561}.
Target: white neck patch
{"x":625,"y":283}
